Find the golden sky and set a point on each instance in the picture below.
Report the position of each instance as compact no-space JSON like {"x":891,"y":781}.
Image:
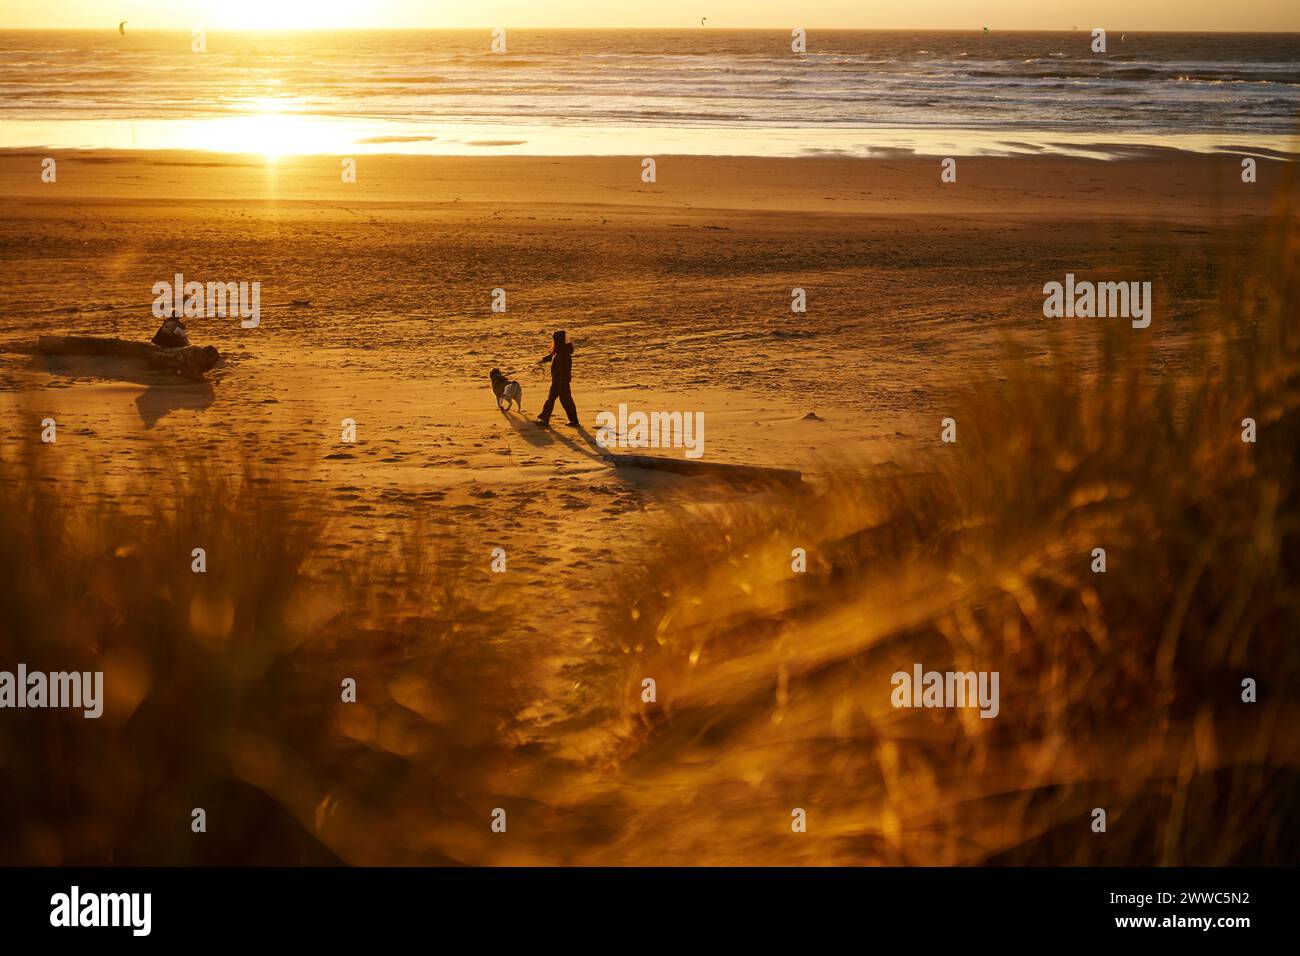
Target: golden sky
{"x":1194,"y":15}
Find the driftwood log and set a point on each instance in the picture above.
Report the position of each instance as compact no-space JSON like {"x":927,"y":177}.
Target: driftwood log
{"x":760,"y":474}
{"x":191,"y":361}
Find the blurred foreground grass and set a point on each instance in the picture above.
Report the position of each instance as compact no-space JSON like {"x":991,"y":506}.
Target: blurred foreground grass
{"x":223,"y":689}
{"x":1119,"y":690}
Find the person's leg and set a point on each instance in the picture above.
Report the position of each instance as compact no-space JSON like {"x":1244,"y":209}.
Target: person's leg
{"x":570,"y":409}
{"x":550,"y":403}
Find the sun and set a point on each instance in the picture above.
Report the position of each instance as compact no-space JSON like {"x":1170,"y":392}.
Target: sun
{"x":275,"y":14}
{"x":272,"y":134}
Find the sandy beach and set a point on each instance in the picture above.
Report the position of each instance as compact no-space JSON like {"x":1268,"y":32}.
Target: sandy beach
{"x":677,"y":294}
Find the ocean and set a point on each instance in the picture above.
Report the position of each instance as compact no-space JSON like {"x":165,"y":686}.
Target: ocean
{"x":704,"y":91}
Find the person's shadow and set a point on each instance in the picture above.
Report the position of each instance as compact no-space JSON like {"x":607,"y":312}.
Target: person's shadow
{"x":163,"y":398}
{"x":164,"y":392}
{"x":539,"y":436}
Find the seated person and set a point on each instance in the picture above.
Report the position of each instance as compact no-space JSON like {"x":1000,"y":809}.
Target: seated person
{"x":172,"y":335}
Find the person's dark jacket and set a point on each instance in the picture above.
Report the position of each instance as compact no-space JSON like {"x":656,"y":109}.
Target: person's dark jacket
{"x":561,"y":363}
{"x":172,"y":335}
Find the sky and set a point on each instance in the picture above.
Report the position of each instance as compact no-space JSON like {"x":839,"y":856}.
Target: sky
{"x":1151,"y":15}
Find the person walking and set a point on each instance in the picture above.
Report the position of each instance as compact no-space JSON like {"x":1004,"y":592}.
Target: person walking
{"x":561,"y":359}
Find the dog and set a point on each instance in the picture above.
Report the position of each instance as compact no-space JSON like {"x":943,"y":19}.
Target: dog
{"x":506,"y":390}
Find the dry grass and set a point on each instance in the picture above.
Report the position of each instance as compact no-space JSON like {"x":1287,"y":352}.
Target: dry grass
{"x":1119,"y":690}
{"x":224,"y":688}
